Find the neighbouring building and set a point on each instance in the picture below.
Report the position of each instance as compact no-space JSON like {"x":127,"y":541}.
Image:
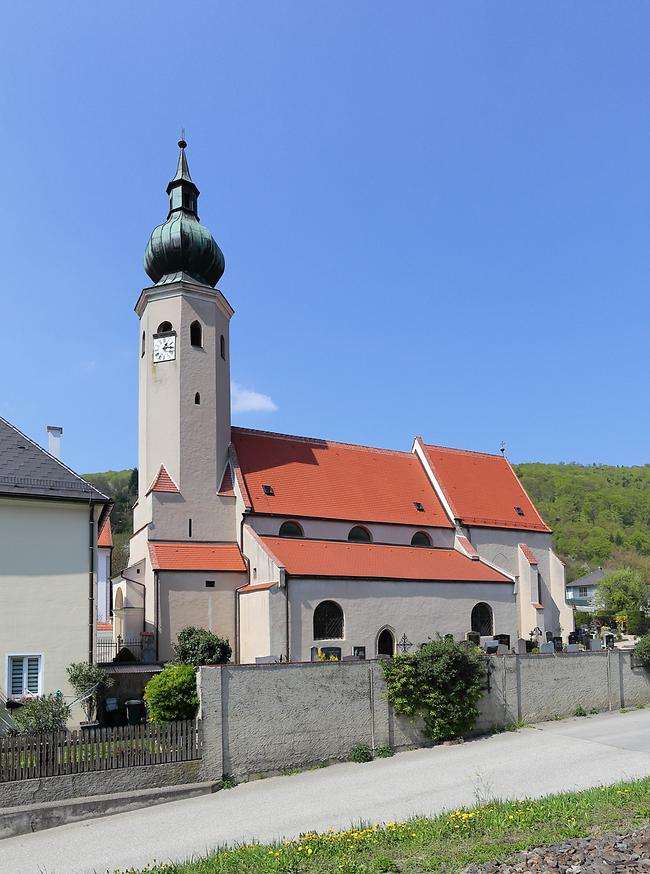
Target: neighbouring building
{"x":49,"y":520}
{"x":287,"y":545}
{"x":581,"y":593}
{"x":104,"y":555}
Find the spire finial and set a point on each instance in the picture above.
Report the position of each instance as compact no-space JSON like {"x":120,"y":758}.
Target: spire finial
{"x":181,"y":143}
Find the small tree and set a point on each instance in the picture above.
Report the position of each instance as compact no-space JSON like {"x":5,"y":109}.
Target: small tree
{"x":172,"y":694}
{"x":622,"y":591}
{"x":87,"y":681}
{"x":198,"y":646}
{"x":442,"y":683}
{"x":47,"y":713}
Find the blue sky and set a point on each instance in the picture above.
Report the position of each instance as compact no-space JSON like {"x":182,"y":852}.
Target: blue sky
{"x":435,"y":215}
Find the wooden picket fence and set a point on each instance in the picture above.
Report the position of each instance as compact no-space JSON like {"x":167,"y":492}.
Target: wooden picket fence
{"x":24,"y":757}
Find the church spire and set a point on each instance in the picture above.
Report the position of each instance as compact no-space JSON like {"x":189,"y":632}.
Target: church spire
{"x":183,"y":193}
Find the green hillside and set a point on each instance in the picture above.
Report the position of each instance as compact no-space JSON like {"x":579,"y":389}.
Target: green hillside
{"x":599,"y":515}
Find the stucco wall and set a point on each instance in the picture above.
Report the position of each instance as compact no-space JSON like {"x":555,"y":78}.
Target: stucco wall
{"x":254,"y":625}
{"x":332,"y":529}
{"x":266,"y":718}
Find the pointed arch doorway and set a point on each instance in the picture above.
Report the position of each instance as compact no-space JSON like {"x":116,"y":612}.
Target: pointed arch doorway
{"x":386,"y":643}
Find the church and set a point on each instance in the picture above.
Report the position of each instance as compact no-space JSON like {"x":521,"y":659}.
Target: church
{"x":293,"y":547}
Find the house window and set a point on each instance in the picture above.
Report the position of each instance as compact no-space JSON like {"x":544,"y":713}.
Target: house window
{"x":291,"y":529}
{"x":482,"y":619}
{"x":328,"y":621}
{"x":25,"y":676}
{"x":196,"y":334}
{"x":209,"y":584}
{"x":420,"y":538}
{"x":583,"y":592}
{"x":359,"y":534}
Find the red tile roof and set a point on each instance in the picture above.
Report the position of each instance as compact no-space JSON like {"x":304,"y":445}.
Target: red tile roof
{"x":258,"y":587}
{"x":327,"y":558}
{"x":105,"y":535}
{"x":196,"y":557}
{"x":483,"y":490}
{"x":163,"y":482}
{"x":226,"y":489}
{"x":467,"y":546}
{"x":323,"y":479}
{"x":528,"y":553}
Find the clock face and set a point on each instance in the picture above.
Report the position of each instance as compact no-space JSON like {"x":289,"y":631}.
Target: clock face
{"x":164,"y":348}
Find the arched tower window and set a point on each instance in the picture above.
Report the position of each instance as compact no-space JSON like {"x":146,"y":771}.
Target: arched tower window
{"x":223,"y":347}
{"x":196,"y":334}
{"x":197,"y":398}
{"x":163,"y":327}
{"x":386,"y":643}
{"x":482,"y":619}
{"x":420,"y":538}
{"x":291,"y":529}
{"x":328,"y":621}
{"x":359,"y":534}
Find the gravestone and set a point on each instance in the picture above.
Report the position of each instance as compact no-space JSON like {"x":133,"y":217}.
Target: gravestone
{"x":557,"y":643}
{"x":595,"y":645}
{"x":573,"y":647}
{"x":609,"y":641}
{"x":490,"y":645}
{"x":502,"y":649}
{"x":549,"y":646}
{"x":474,"y":637}
{"x":504,"y":639}
{"x":573,"y":637}
{"x":522,"y":648}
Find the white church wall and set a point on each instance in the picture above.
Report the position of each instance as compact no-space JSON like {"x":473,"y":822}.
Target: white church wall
{"x":333,"y":529}
{"x":254,"y":626}
{"x":421,"y":610}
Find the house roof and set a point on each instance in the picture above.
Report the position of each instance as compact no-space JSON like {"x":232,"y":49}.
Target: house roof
{"x":162,"y":482}
{"x":28,"y":469}
{"x":105,"y":538}
{"x":590,"y":579}
{"x":324,"y":479}
{"x":167,"y":556}
{"x":483,"y":490}
{"x":328,"y":558}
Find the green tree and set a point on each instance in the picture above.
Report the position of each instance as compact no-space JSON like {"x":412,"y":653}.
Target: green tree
{"x":622,"y":591}
{"x":198,"y":646}
{"x":172,"y":695}
{"x":47,"y":713}
{"x":87,"y":681}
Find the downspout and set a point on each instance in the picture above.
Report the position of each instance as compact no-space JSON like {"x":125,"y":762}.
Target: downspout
{"x":156,"y":609}
{"x":91,"y":581}
{"x":284,"y":580}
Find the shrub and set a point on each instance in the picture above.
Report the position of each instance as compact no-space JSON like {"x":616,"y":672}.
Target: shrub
{"x":47,"y":713}
{"x":360,"y":753}
{"x":441,"y":682}
{"x":88,"y":680}
{"x":172,"y":695}
{"x":198,"y":646}
{"x":642,"y":650}
{"x":384,"y":753}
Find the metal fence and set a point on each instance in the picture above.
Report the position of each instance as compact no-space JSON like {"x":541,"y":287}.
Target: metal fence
{"x":24,"y":757}
{"x":127,"y":650}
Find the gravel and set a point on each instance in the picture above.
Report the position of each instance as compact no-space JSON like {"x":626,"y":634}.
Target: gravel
{"x":608,"y":854}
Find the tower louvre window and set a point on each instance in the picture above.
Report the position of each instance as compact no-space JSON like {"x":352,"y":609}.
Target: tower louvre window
{"x":197,"y":398}
{"x":196,"y":334}
{"x":143,"y":340}
{"x":164,"y":327}
{"x":223,"y":347}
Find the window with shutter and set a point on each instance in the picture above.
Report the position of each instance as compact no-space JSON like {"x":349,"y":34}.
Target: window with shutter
{"x":32,"y":675}
{"x":16,"y":676}
{"x":24,"y":675}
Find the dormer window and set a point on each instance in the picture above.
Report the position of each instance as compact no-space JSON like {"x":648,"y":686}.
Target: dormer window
{"x":519,"y":511}
{"x":268,"y":490}
{"x":291,"y":529}
{"x":420,"y":538}
{"x":418,"y":506}
{"x":359,"y":534}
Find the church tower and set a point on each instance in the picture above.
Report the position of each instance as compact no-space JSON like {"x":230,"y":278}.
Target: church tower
{"x":184,"y":380}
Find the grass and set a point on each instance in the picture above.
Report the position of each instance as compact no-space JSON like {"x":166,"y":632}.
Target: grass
{"x":446,"y":843}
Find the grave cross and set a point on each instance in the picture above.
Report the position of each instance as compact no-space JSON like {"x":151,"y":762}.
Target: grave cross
{"x":404,"y":643}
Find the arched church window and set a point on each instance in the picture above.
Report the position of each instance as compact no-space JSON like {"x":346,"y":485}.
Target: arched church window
{"x":223,"y":347}
{"x":328,"y":621}
{"x":197,"y":398}
{"x":482,"y":620}
{"x":420,"y":538}
{"x":359,"y":534}
{"x":386,"y":643}
{"x":196,"y":334}
{"x":163,"y":327}
{"x":291,"y":529}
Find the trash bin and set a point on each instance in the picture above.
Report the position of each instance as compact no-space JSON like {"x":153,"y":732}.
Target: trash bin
{"x":135,"y":711}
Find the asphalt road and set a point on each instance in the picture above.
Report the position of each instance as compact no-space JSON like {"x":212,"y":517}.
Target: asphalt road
{"x":535,"y":761}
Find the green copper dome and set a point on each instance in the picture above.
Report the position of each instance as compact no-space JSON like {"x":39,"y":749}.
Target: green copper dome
{"x":182,"y":244}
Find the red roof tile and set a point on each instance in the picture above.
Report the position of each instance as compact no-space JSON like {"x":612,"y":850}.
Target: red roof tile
{"x":196,"y":557}
{"x":327,"y":558}
{"x":226,"y":489}
{"x":323,"y":479}
{"x":528,"y":553}
{"x":467,"y":546}
{"x":105,"y":535}
{"x":163,"y":482}
{"x":483,"y":490}
{"x":257,"y":587}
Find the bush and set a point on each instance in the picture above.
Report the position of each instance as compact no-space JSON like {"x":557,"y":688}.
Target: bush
{"x":384,"y":753}
{"x":86,"y":678}
{"x":47,"y":713}
{"x":198,"y":646}
{"x":360,"y":753}
{"x":172,"y":694}
{"x":642,"y":650}
{"x":441,"y":683}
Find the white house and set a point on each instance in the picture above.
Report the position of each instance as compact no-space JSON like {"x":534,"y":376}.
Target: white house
{"x":288,"y":544}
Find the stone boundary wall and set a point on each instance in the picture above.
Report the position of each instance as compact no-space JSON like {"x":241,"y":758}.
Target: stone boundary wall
{"x":263,"y":719}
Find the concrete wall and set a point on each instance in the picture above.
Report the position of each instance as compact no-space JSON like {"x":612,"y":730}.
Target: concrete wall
{"x":267,"y":718}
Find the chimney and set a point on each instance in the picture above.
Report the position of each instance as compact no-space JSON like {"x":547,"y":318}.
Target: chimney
{"x":54,"y":440}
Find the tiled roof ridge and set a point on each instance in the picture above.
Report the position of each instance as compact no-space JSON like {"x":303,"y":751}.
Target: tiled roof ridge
{"x":156,"y":484}
{"x":53,"y":457}
{"x":461,"y":451}
{"x":320,"y":441}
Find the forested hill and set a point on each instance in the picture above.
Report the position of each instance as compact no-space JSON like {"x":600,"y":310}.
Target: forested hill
{"x":600,"y":515}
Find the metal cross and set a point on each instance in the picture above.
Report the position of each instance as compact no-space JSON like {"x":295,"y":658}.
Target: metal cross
{"x":404,"y":643}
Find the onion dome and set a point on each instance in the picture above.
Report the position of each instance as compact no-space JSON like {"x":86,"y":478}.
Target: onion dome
{"x":182,"y":245}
